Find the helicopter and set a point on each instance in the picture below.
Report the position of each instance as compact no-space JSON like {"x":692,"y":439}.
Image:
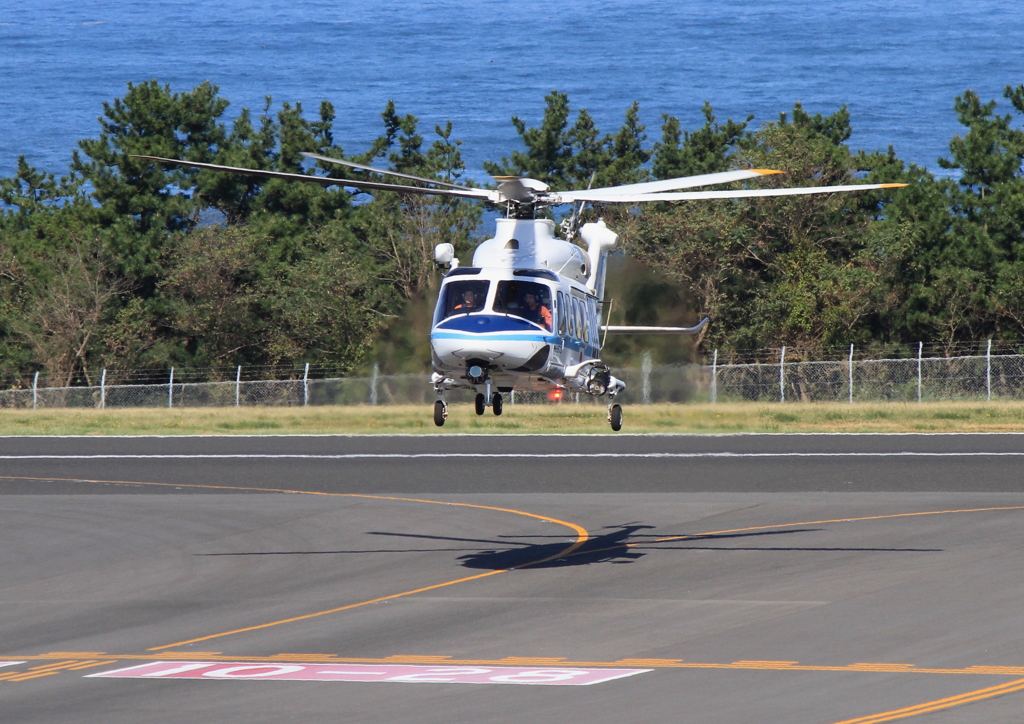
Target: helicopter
{"x":526,"y":312}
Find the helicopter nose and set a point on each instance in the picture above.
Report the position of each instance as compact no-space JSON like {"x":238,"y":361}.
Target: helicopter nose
{"x":507,"y":354}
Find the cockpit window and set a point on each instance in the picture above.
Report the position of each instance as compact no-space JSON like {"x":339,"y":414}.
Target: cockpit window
{"x":463,"y":297}
{"x":529,"y":300}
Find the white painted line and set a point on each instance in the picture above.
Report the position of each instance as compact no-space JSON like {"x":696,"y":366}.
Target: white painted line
{"x":390,"y":673}
{"x":553,"y":456}
{"x":11,"y":663}
{"x":500,"y":435}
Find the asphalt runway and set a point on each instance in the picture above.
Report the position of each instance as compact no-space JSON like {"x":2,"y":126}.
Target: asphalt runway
{"x":760,"y":578}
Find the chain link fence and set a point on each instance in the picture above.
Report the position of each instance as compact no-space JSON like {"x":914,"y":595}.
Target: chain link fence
{"x":983,"y":376}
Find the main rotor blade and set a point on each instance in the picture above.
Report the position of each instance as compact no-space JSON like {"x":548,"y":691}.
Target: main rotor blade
{"x":568,"y":197}
{"x":361,"y":167}
{"x":684,"y":182}
{"x":325,"y":181}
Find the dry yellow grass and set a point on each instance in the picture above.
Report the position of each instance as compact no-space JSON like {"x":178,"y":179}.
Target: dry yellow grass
{"x":524,"y":419}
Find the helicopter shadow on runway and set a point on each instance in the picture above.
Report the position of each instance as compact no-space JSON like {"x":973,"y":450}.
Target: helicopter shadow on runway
{"x":620,"y":544}
{"x":616,"y":544}
{"x":613,"y":546}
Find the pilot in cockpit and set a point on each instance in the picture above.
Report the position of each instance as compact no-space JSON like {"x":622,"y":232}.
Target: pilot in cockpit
{"x":468,"y":303}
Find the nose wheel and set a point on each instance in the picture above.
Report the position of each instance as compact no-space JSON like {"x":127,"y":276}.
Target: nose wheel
{"x":440,"y":413}
{"x":615,"y":417}
{"x":480,"y":403}
{"x":496,"y":403}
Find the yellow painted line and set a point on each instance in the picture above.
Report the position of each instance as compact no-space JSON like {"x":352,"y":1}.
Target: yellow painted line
{"x":764,"y":171}
{"x":91,"y":664}
{"x":698,"y":536}
{"x":37,"y":672}
{"x":59,"y":665}
{"x":930,"y":706}
{"x":743,"y":665}
{"x":29,"y":677}
{"x":832,"y":520}
{"x":324,"y":613}
{"x":582,"y":536}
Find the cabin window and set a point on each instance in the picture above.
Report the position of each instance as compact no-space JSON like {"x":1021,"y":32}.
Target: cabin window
{"x":529,"y":300}
{"x":462,"y":297}
{"x":560,"y":311}
{"x":578,"y":314}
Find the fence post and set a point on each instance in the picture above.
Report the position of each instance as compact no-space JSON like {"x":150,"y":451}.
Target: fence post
{"x":238,"y":385}
{"x":305,"y":387}
{"x":851,"y":374}
{"x":35,"y":388}
{"x":782,"y":375}
{"x":920,"y":346}
{"x":714,"y":377}
{"x":373,"y":384}
{"x":645,"y":376}
{"x":170,"y":389}
{"x":988,"y":372}
{"x":103,"y":390}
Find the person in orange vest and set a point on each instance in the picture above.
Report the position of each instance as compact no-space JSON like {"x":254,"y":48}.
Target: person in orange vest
{"x":535,"y":311}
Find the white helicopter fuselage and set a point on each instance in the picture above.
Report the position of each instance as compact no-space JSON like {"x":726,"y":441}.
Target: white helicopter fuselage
{"x":525,"y":314}
{"x":532,"y":320}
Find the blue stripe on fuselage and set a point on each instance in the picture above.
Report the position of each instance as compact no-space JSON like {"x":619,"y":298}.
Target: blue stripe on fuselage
{"x":476,"y":336}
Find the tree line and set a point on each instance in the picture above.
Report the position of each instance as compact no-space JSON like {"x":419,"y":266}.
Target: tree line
{"x":123,"y":264}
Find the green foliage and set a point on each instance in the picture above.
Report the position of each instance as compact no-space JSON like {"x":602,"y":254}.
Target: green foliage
{"x":690,"y":153}
{"x":961,"y":279}
{"x":939,"y":260}
{"x":775,"y":270}
{"x":124,"y":263}
{"x":569,"y":157}
{"x":127,"y":264}
{"x":150,"y":120}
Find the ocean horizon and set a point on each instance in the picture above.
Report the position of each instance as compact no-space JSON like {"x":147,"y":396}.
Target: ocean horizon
{"x":896,"y":66}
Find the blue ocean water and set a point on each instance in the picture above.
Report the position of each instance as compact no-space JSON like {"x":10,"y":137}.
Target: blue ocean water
{"x":897,"y":65}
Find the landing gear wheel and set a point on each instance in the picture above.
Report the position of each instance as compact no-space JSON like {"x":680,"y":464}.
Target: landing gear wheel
{"x":481,"y":403}
{"x":440,"y":413}
{"x":615,"y":417}
{"x":496,"y":403}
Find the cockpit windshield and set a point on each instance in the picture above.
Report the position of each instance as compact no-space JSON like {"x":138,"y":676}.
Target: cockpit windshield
{"x":529,"y":300}
{"x":463,"y":297}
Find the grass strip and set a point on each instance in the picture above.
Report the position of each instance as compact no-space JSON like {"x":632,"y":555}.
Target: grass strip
{"x":728,"y":417}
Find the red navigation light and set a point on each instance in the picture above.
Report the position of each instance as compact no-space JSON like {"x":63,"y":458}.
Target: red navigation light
{"x":554,"y":395}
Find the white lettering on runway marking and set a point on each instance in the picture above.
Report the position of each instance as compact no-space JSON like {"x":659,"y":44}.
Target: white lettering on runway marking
{"x":389,"y":673}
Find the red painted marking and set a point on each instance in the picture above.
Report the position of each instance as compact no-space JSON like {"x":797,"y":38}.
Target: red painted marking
{"x":241,"y":670}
